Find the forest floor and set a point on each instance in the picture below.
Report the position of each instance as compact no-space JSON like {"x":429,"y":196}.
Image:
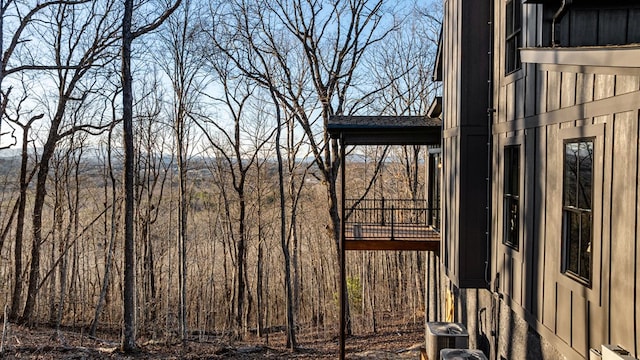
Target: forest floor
{"x":395,"y":340}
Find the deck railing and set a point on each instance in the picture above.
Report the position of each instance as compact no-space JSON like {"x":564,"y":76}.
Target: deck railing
{"x":389,"y":219}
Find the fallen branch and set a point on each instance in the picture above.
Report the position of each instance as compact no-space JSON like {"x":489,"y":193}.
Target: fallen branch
{"x":4,"y":329}
{"x":48,"y":349}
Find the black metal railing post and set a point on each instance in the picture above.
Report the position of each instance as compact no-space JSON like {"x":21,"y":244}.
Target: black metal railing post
{"x":392,"y":222}
{"x":390,"y":218}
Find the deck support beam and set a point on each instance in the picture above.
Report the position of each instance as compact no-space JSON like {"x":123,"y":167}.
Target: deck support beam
{"x":393,"y":245}
{"x":343,"y":280}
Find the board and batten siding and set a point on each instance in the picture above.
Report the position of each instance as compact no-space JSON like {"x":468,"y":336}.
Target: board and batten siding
{"x":465,"y":135}
{"x":538,"y":107}
{"x":531,"y":277}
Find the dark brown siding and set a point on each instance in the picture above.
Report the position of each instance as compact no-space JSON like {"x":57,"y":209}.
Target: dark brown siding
{"x":597,"y":25}
{"x":465,"y":132}
{"x":538,"y":107}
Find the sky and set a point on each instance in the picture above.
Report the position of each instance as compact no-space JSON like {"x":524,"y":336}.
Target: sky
{"x":39,"y":87}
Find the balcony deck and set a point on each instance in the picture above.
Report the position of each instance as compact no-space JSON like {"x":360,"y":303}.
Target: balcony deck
{"x":383,"y":224}
{"x":384,"y":228}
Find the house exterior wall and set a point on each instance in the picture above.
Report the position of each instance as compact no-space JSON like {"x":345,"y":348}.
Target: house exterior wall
{"x":465,"y":135}
{"x":532,"y":309}
{"x":571,"y":103}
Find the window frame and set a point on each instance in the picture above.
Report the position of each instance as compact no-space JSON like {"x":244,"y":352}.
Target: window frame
{"x":571,"y":209}
{"x":511,"y":193}
{"x":435,"y":188}
{"x":582,"y":129}
{"x":512,"y":36}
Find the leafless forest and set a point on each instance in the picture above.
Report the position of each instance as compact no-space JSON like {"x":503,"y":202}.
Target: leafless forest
{"x":166,"y":172}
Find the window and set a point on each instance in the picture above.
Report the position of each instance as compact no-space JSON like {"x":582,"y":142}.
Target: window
{"x":577,"y":216}
{"x":511,"y":202}
{"x":435,"y":170}
{"x":513,"y":35}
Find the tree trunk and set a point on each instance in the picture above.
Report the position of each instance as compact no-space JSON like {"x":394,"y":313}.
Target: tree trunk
{"x":22,"y":204}
{"x":284,"y":243}
{"x":182,"y":229}
{"x":259,"y":288}
{"x":38,"y":205}
{"x":240,"y":268}
{"x":112,"y":240}
{"x":128,"y":334}
{"x":260,"y":264}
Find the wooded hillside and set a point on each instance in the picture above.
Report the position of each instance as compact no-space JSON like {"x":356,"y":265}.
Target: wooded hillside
{"x":235,"y":212}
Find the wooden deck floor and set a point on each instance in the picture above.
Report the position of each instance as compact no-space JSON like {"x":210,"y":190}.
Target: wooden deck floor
{"x":398,"y":237}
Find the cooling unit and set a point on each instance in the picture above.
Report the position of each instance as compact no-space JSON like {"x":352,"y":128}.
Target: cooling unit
{"x":615,"y":352}
{"x":462,"y":354}
{"x":445,"y":335}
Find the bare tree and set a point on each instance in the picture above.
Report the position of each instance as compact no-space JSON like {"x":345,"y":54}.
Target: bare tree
{"x":264,"y":220}
{"x":128,"y":35}
{"x":403,"y":65}
{"x":284,"y":239}
{"x":25,"y":179}
{"x":22,"y":31}
{"x":72,"y":67}
{"x":296,"y":38}
{"x":67,"y":167}
{"x":110,"y":230}
{"x":288,"y":232}
{"x":262,"y":188}
{"x":152,"y":170}
{"x":14,"y":64}
{"x":238,"y":158}
{"x":182,"y":42}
